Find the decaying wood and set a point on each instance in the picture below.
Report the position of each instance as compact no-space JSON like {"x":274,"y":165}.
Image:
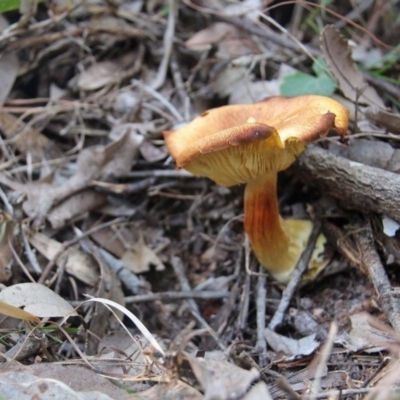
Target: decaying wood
{"x":354,"y":185}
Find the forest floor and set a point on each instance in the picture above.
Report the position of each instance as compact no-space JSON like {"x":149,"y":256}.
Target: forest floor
{"x":99,"y":231}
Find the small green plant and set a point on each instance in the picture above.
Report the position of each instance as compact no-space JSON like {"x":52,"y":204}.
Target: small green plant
{"x":301,"y":83}
{"x":9,"y":5}
{"x":12,"y":5}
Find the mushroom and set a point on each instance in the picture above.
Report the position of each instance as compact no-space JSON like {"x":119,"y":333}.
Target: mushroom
{"x":249,"y":144}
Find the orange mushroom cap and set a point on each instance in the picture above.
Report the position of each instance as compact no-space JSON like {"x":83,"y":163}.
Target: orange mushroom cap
{"x":234,"y":144}
{"x":249,"y":144}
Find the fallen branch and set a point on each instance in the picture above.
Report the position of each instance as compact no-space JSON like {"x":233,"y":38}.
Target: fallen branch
{"x":353,"y":184}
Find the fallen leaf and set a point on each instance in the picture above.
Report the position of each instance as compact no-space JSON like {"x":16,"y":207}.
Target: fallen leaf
{"x":9,"y":65}
{"x":384,"y":118}
{"x":257,"y":392}
{"x":6,"y":255}
{"x":76,"y":262}
{"x":78,"y":204}
{"x":140,"y":257}
{"x":36,"y":299}
{"x":292,"y":348}
{"x":15,"y":312}
{"x":25,"y":386}
{"x":337,"y":55}
{"x":221,"y":379}
{"x":365,"y":336}
{"x":27,"y":139}
{"x":205,"y":38}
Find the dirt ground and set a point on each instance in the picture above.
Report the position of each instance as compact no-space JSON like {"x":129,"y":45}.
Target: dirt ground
{"x":137,"y":278}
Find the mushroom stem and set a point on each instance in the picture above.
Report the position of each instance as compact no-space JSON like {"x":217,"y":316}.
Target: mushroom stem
{"x":277,"y":243}
{"x":262,"y":223}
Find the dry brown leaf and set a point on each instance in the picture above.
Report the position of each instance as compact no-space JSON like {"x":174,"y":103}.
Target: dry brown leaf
{"x":6,"y":255}
{"x":365,"y":336}
{"x":369,"y":152}
{"x":257,"y":392}
{"x":386,"y":119}
{"x":27,"y":139}
{"x":221,"y":379}
{"x":9,"y":65}
{"x":76,"y":262}
{"x":230,"y":41}
{"x":337,"y":55}
{"x":215,"y":33}
{"x":15,"y":312}
{"x":80,"y":203}
{"x":140,"y":257}
{"x":106,"y":73}
{"x":108,"y":287}
{"x":292,"y":348}
{"x":69,"y":382}
{"x":36,"y":299}
{"x":94,"y":162}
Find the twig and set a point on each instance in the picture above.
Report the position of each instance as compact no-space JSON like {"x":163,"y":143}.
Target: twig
{"x":128,"y":278}
{"x":323,"y":360}
{"x":21,"y":264}
{"x":244,"y":305}
{"x":261,"y":297}
{"x":161,"y":173}
{"x":370,"y":259}
{"x":7,"y":204}
{"x":301,"y":267}
{"x":167,"y":104}
{"x":168,"y":43}
{"x":30,"y":254}
{"x":176,"y":296}
{"x":185,"y":286}
{"x":356,"y":185}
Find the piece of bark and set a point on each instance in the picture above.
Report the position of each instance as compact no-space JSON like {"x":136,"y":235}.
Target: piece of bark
{"x":354,"y":185}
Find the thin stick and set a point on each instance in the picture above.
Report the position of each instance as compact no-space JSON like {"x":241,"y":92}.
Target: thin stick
{"x":261,"y":344}
{"x":370,"y":259}
{"x":176,"y":296}
{"x":185,"y":286}
{"x":301,"y":267}
{"x":324,"y":355}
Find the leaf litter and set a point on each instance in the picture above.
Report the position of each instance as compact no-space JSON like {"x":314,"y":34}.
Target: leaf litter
{"x":93,"y":206}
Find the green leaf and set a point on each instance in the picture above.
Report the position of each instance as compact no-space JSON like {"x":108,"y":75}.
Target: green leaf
{"x":301,"y":83}
{"x":9,"y":5}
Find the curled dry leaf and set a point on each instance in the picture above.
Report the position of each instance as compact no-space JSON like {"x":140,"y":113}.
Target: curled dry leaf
{"x":36,"y":299}
{"x":337,"y":55}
